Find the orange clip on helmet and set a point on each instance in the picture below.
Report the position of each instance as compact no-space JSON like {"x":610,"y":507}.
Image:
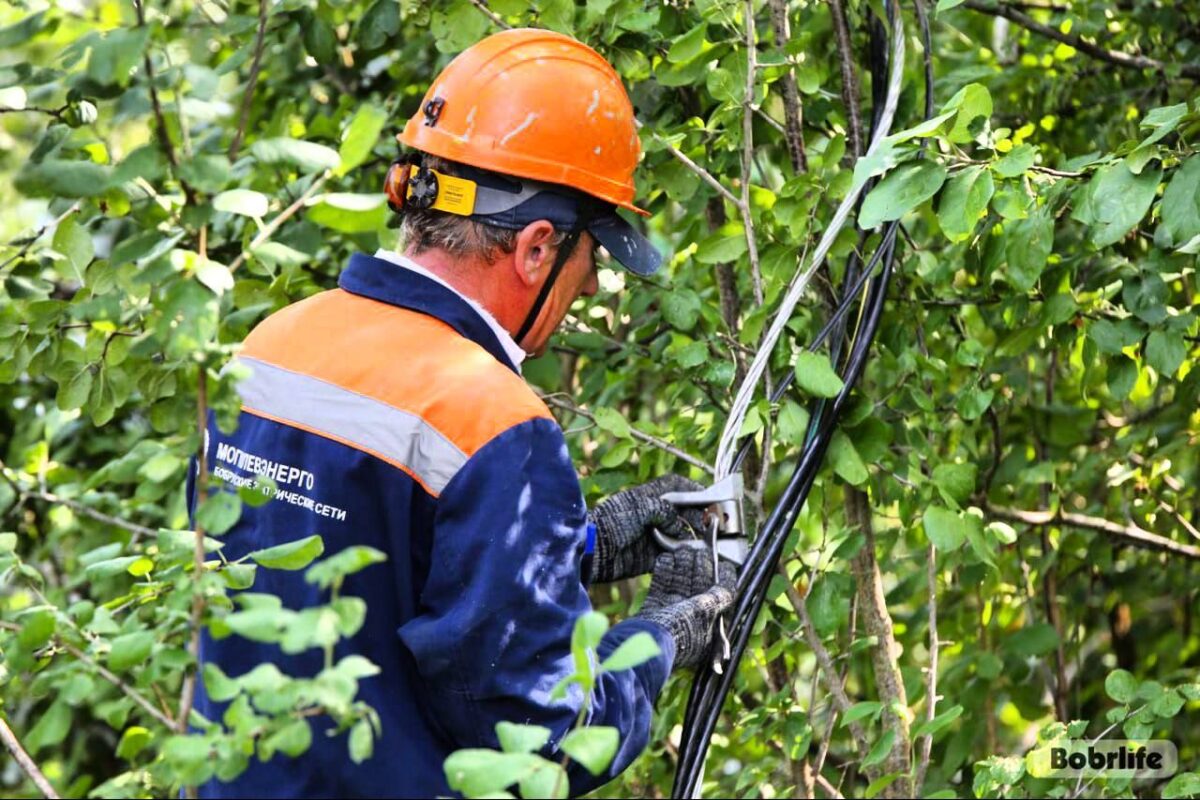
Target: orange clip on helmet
{"x":533,"y":104}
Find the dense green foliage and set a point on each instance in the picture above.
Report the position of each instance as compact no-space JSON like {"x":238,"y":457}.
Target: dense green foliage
{"x":1020,"y":456}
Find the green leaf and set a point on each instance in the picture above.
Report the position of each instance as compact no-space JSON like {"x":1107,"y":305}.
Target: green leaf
{"x":846,"y":461}
{"x":815,"y":375}
{"x":1033,"y":640}
{"x":130,"y":649}
{"x":1185,"y":784}
{"x":349,"y":213}
{"x":1165,"y":351}
{"x":360,"y":138}
{"x":8,"y":543}
{"x":476,"y":772}
{"x":792,"y":423}
{"x":242,"y":201}
{"x":681,"y":308}
{"x":307,"y":156}
{"x":964,"y":201}
{"x":50,"y":729}
{"x":880,"y":750}
{"x":867,"y":708}
{"x":37,"y":629}
{"x":1115,"y":201}
{"x":291,"y":555}
{"x":1016,"y":162}
{"x":610,"y":420}
{"x":293,"y":739}
{"x":219,"y":512}
{"x":945,"y":528}
{"x":901,"y":190}
{"x":637,"y":649}
{"x":75,"y":243}
{"x":932,"y":726}
{"x":547,"y":781}
{"x":1121,"y":686}
{"x":1180,"y":206}
{"x":956,"y":481}
{"x":362,"y":742}
{"x":63,"y":179}
{"x":115,"y":53}
{"x":1028,"y":244}
{"x":109,"y":567}
{"x":686,"y":47}
{"x":515,"y":738}
{"x":972,"y":102}
{"x":133,"y":741}
{"x":346,"y":562}
{"x":946,"y":5}
{"x":594,"y":747}
{"x":74,"y":393}
{"x":723,"y":247}
{"x":218,"y":685}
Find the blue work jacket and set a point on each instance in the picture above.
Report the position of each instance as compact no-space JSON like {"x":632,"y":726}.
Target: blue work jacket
{"x":388,"y":415}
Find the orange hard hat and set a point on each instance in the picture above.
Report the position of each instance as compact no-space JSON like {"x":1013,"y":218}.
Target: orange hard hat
{"x":533,"y":104}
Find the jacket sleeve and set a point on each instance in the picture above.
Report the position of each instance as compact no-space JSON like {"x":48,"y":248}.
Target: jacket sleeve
{"x":493,"y":635}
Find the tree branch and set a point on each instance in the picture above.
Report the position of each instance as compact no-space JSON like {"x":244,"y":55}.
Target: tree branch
{"x":248,"y":95}
{"x":126,"y":689}
{"x":829,"y":673}
{"x":27,"y":764}
{"x":885,"y":655}
{"x":1127,"y":534}
{"x":279,"y":219}
{"x":492,"y":15}
{"x":29,"y":243}
{"x":99,"y":516}
{"x":164,"y":135}
{"x":1095,"y":51}
{"x":793,"y":114}
{"x":931,"y":696}
{"x":850,"y":91}
{"x":704,"y":174}
{"x":188,"y":692}
{"x":566,"y":405}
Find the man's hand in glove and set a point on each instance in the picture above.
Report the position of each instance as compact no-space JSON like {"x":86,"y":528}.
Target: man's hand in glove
{"x":625,"y":522}
{"x":684,"y":600}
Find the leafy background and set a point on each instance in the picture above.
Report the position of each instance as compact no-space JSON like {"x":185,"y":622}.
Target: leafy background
{"x":1004,"y":540}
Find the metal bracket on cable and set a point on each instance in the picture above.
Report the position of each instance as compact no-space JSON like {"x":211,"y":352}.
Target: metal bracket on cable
{"x":727,"y":535}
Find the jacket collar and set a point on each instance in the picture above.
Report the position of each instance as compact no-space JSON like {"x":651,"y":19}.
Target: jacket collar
{"x":392,"y":283}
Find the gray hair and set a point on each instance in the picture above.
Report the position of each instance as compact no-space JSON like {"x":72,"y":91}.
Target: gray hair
{"x":428,"y":229}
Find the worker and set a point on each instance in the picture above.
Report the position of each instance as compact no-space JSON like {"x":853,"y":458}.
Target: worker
{"x":390,"y":413}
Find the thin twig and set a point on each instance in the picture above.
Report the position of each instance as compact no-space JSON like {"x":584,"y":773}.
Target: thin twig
{"x":1128,"y":534}
{"x":748,"y":151}
{"x":931,"y":696}
{"x":164,"y":135}
{"x":73,"y":208}
{"x":27,"y":764}
{"x":1095,"y":51}
{"x":248,"y":95}
{"x":828,"y":787}
{"x":99,"y":516}
{"x":281,"y":218}
{"x":492,"y":15}
{"x":188,"y":693}
{"x":566,"y":405}
{"x":704,"y":174}
{"x":126,"y":689}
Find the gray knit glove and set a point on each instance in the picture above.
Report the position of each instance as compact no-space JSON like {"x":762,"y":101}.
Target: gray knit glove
{"x":684,"y":600}
{"x":625,"y":522}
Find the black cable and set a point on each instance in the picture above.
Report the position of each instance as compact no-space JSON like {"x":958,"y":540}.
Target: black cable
{"x":710,"y":689}
{"x":560,"y":259}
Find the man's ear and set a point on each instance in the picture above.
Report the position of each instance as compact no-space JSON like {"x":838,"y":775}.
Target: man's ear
{"x":534,"y":253}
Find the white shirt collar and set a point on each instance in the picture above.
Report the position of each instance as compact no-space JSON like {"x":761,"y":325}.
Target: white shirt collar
{"x":511,"y":348}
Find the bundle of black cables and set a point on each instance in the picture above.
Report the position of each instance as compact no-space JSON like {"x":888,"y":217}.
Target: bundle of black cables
{"x":710,"y":688}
